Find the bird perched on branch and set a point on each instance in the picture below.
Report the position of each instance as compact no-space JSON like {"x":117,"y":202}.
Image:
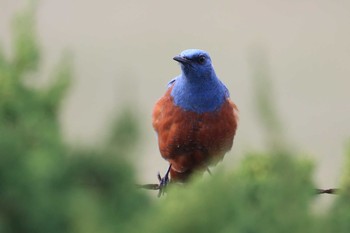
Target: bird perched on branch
{"x":195,"y":120}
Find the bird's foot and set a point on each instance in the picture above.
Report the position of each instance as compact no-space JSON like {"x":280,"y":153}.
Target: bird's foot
{"x":163,"y":182}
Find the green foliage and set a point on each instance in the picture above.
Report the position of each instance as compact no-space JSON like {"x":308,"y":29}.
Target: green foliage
{"x":44,"y":185}
{"x":266,"y":194}
{"x":61,"y":81}
{"x":339,"y":219}
{"x":26,"y":52}
{"x":125,"y":132}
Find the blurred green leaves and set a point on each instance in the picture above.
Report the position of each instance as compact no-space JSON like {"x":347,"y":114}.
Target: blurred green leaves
{"x":61,"y":81}
{"x":46,"y":186}
{"x":339,"y":217}
{"x":124,"y":133}
{"x":266,"y":194}
{"x":26,"y":48}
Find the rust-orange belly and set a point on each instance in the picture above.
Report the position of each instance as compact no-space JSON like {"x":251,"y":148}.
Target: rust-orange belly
{"x":191,"y":141}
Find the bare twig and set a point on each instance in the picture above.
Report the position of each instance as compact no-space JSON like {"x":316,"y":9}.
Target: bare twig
{"x":318,"y":191}
{"x":327,"y":191}
{"x":149,"y":186}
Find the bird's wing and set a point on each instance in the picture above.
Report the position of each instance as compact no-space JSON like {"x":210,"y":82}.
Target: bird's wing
{"x":227,"y":93}
{"x":235,"y":110}
{"x":161,"y":105}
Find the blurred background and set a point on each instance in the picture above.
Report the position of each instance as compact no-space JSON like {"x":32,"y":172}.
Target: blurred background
{"x":122,"y":59}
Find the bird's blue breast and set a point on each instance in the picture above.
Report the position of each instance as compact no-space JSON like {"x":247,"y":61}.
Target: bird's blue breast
{"x":199,"y":97}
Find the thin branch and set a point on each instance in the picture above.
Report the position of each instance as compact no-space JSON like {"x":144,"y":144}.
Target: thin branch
{"x":318,"y":191}
{"x":149,"y":186}
{"x":327,"y":191}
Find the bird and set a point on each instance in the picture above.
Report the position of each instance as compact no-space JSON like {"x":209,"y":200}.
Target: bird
{"x":195,"y":120}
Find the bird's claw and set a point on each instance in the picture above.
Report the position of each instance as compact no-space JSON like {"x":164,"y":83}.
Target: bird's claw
{"x":163,"y":182}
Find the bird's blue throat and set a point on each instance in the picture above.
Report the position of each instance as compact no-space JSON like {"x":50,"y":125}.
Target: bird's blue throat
{"x":206,"y":95}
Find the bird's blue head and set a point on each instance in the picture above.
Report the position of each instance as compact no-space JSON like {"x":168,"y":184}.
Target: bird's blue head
{"x":197,"y":89}
{"x":195,"y":63}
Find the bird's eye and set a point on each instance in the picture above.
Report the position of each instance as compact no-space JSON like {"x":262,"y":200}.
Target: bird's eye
{"x":201,"y":59}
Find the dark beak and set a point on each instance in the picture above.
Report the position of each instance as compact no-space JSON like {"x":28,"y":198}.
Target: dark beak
{"x":181,"y":59}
